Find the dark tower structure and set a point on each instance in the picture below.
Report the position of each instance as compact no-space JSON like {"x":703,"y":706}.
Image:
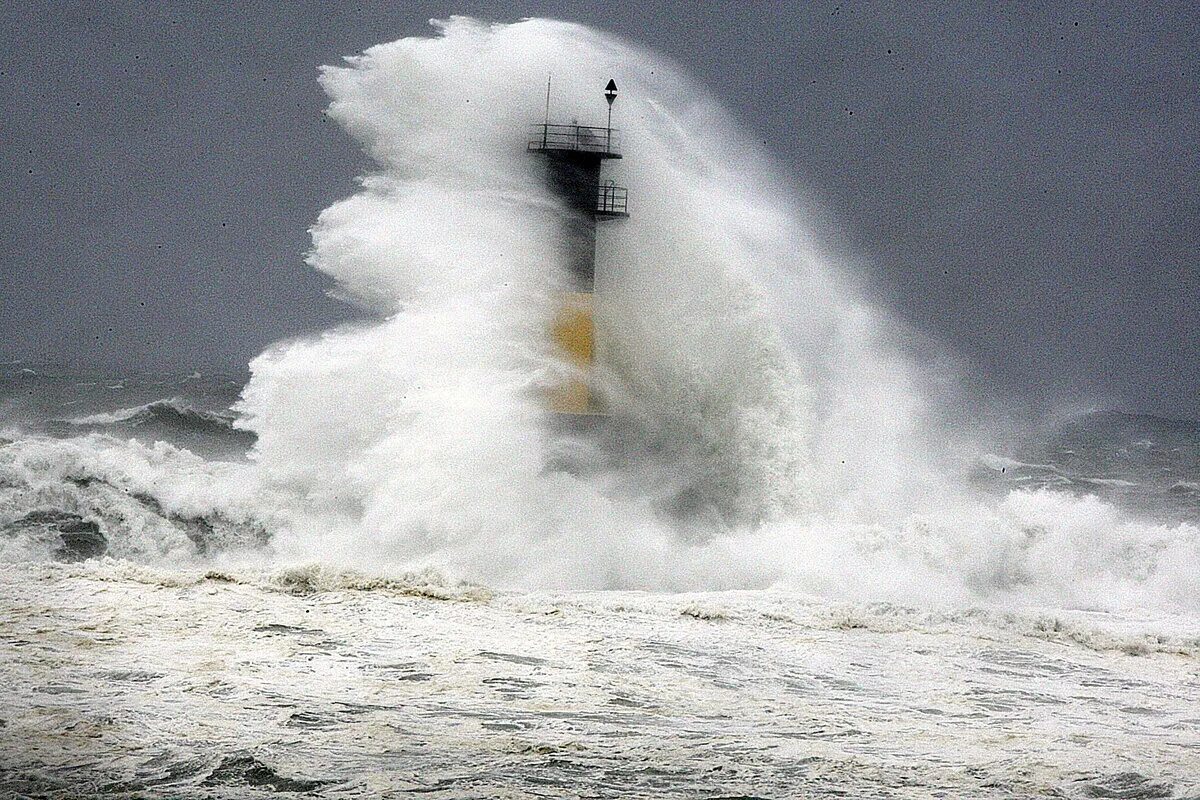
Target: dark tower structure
{"x":574,"y":155}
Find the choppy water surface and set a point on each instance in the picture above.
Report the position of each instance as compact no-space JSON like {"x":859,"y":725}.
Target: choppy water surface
{"x":123,"y":681}
{"x":247,"y":585}
{"x":169,"y":671}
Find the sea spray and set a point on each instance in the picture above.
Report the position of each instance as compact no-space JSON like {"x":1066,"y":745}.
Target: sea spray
{"x":427,"y":425}
{"x":767,"y":428}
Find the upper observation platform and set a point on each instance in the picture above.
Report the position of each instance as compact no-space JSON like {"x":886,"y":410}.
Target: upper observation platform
{"x":584,"y":140}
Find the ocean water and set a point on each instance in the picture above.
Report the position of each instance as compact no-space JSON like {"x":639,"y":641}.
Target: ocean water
{"x":787,"y":565}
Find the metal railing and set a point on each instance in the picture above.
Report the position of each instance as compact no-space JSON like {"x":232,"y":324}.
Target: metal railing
{"x":574,"y":137}
{"x":612,"y":200}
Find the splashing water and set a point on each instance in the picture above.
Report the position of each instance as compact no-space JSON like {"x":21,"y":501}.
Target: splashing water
{"x":454,"y":240}
{"x":768,"y":429}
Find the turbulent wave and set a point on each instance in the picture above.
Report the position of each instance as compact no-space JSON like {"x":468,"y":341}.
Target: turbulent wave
{"x":453,"y":241}
{"x":148,"y":503}
{"x":171,"y":420}
{"x":767,"y":428}
{"x":172,"y":411}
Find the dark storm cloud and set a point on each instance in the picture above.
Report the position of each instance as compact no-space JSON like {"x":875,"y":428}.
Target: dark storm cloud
{"x":1020,"y":180}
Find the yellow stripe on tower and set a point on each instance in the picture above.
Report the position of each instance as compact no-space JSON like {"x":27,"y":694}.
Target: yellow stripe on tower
{"x":573,"y":333}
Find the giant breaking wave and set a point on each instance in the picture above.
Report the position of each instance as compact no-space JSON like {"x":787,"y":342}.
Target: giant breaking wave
{"x":771,"y":431}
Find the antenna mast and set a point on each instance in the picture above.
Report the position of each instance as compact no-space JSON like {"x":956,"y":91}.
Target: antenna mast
{"x":546,"y":125}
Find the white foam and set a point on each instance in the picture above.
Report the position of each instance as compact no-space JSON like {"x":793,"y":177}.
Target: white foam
{"x":753,"y":379}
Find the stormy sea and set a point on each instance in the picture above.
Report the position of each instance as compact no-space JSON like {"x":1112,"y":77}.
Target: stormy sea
{"x":794,"y":560}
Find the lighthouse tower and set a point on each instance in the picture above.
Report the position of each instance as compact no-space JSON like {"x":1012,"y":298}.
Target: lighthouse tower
{"x":574,"y":155}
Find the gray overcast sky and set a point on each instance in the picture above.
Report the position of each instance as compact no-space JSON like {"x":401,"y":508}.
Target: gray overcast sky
{"x":1020,"y":179}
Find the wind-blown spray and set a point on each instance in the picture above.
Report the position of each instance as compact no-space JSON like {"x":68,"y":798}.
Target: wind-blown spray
{"x":427,"y":425}
{"x":768,"y":430}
